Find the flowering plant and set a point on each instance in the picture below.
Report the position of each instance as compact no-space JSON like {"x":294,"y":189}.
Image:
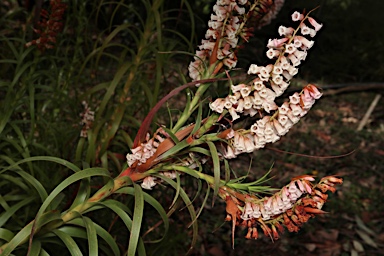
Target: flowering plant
{"x":215,"y":139}
{"x":50,"y":25}
{"x":242,"y":122}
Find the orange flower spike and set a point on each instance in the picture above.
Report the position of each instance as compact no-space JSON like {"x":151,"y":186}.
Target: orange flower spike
{"x":232,"y":210}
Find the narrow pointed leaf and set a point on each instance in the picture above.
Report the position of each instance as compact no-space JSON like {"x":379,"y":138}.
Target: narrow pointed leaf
{"x":154,"y":203}
{"x":14,"y":208}
{"x":91,"y":236}
{"x":102,"y":233}
{"x":190,"y":208}
{"x":69,"y":243}
{"x":137,"y":220}
{"x":6,"y":234}
{"x":20,"y":237}
{"x":35,"y":248}
{"x":216,"y":169}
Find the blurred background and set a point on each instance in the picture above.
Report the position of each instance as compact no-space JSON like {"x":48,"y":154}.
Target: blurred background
{"x":343,"y":134}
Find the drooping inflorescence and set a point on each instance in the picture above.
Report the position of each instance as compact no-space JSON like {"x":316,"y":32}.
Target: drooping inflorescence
{"x":290,"y":207}
{"x":269,"y":82}
{"x":50,"y":25}
{"x":88,"y":116}
{"x":231,"y":22}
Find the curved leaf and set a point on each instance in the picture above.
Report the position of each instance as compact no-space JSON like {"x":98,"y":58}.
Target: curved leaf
{"x":70,"y":180}
{"x":102,"y":233}
{"x":91,"y":236}
{"x":14,"y":208}
{"x":35,"y":183}
{"x":137,"y":219}
{"x":69,"y":242}
{"x":154,"y":203}
{"x":44,"y":158}
{"x":6,"y":234}
{"x":190,"y":208}
{"x":35,"y":249}
{"x":83,"y":193}
{"x":20,"y":237}
{"x":216,"y":169}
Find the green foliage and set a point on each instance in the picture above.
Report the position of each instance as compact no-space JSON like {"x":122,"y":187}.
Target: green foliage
{"x":114,"y":56}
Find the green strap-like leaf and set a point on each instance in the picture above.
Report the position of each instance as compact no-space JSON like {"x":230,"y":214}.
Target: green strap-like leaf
{"x":83,"y":193}
{"x":69,"y":242}
{"x":121,"y":210}
{"x":204,"y":202}
{"x":171,"y":135}
{"x":35,"y":183}
{"x":200,"y":150}
{"x":68,"y":164}
{"x":91,"y":236}
{"x":102,"y":233}
{"x":35,"y":248}
{"x":190,"y":208}
{"x":227,"y":171}
{"x":154,"y":203}
{"x":70,"y":180}
{"x":137,"y":220}
{"x":7,"y":214}
{"x":6,"y":234}
{"x":199,"y":118}
{"x":216,"y":169}
{"x":43,"y":253}
{"x":21,"y":236}
{"x":16,"y":181}
{"x":177,"y":189}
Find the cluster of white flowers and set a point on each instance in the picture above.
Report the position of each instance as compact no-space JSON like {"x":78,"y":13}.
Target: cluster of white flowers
{"x":145,"y":150}
{"x":224,"y":26}
{"x":271,"y":81}
{"x":88,"y":117}
{"x":269,"y":129}
{"x":280,"y":202}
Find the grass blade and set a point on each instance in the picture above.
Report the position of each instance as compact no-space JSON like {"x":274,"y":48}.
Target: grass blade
{"x":69,"y":242}
{"x":216,"y":169}
{"x":137,"y":220}
{"x":91,"y":236}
